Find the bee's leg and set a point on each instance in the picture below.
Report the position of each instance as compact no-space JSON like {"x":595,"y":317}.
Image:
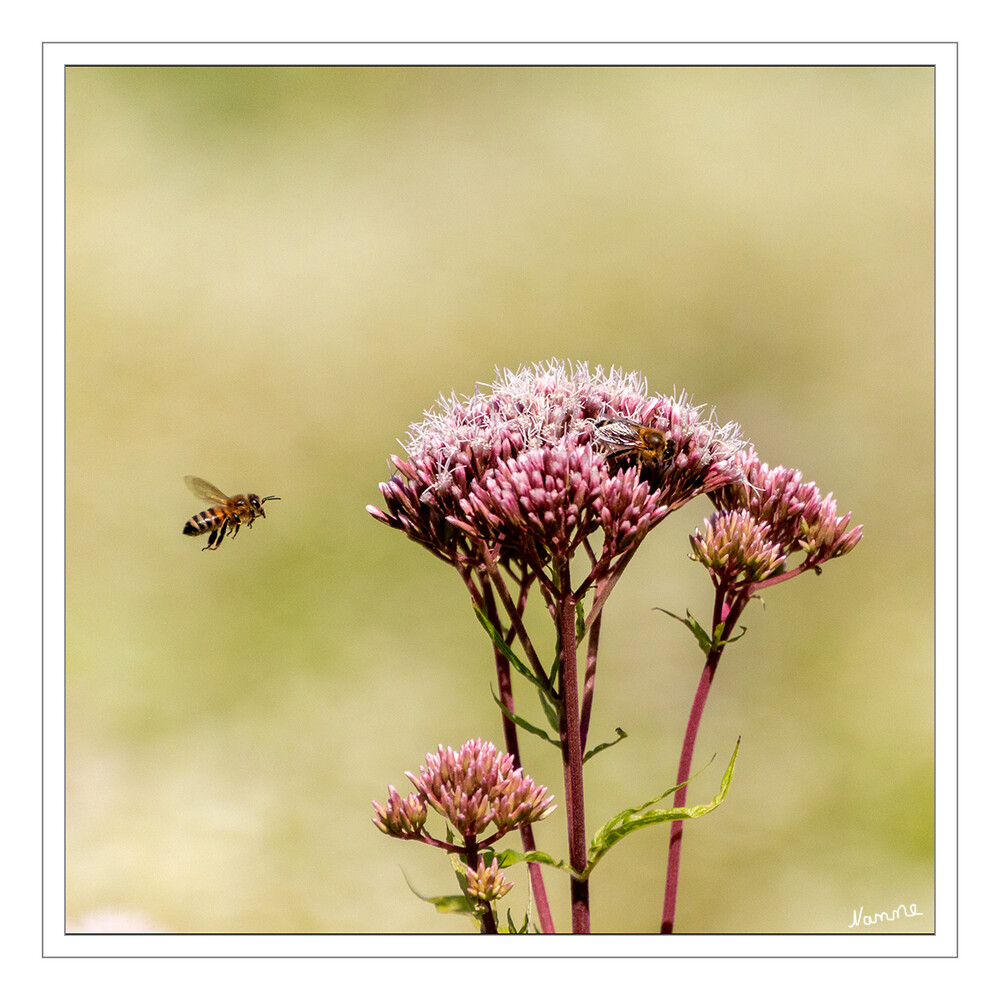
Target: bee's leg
{"x":211,"y":542}
{"x":235,"y":525}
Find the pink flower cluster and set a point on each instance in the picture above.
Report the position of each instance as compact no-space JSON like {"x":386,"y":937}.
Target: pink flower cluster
{"x":477,"y":785}
{"x":517,"y":469}
{"x":473,"y":788}
{"x":768,"y":518}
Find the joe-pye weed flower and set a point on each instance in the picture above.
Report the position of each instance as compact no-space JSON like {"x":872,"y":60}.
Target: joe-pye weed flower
{"x":546,"y":482}
{"x":482,"y":796}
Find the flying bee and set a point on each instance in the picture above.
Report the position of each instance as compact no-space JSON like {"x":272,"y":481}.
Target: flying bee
{"x":226,"y":513}
{"x":623,"y":440}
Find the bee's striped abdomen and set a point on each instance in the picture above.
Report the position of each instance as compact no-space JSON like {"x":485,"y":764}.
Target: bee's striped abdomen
{"x":207,"y":520}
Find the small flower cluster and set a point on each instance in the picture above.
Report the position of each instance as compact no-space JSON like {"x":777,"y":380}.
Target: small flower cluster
{"x":472,"y":788}
{"x":765,"y":520}
{"x":401,"y":817}
{"x":487,"y":884}
{"x":736,"y":548}
{"x":520,"y":469}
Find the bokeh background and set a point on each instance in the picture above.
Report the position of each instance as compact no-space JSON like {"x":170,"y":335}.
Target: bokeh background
{"x":271,"y":272}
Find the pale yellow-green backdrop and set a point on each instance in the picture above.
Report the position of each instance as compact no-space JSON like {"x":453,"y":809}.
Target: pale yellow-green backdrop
{"x":272,"y":271}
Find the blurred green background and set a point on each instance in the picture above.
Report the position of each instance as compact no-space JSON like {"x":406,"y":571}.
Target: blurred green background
{"x":271,"y":272}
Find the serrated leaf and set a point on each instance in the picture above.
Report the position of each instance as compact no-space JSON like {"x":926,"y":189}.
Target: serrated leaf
{"x":523,"y":723}
{"x":620,"y":826}
{"x":630,"y":820}
{"x":604,"y":746}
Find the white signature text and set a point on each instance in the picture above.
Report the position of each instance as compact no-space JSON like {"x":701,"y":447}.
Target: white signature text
{"x":883,"y":917}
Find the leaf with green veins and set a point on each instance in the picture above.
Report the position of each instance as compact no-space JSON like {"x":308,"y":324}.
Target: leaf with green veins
{"x":620,"y":826}
{"x":512,"y":857}
{"x":629,"y":820}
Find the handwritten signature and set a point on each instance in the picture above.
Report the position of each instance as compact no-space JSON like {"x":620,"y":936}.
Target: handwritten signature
{"x":884,"y":916}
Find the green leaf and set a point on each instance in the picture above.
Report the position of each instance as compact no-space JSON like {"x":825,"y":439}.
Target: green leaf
{"x":511,"y":928}
{"x":580,"y":623}
{"x":545,"y":694}
{"x":719,"y":641}
{"x":549,"y":709}
{"x":706,"y":643}
{"x":523,"y":723}
{"x":626,"y":822}
{"x":696,"y":630}
{"x":630,"y":820}
{"x":443,"y":904}
{"x":604,"y":746}
{"x":511,"y":857}
{"x":508,"y":653}
{"x":554,"y":672}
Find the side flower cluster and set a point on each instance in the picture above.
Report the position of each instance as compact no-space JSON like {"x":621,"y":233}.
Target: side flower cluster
{"x":764,"y":521}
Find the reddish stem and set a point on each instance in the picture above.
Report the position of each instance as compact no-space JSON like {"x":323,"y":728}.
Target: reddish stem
{"x":680,"y":796}
{"x":572,"y":754}
{"x":589,"y":681}
{"x":728,"y":608}
{"x":513,"y":748}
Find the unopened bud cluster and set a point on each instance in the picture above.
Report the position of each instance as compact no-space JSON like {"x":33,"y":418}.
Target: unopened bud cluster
{"x":473,"y":788}
{"x":765,"y":520}
{"x":736,"y":547}
{"x":487,"y":883}
{"x":401,"y":817}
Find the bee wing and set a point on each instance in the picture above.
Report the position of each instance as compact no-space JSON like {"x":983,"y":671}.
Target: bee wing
{"x":618,"y":434}
{"x":205,"y":490}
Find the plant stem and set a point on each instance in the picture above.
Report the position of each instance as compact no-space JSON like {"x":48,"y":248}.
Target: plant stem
{"x":513,"y":748}
{"x":728,"y":608}
{"x":589,"y":681}
{"x":680,"y":796}
{"x":572,"y":754}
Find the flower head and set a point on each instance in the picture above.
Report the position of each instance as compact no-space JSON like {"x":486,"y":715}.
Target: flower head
{"x":523,"y":466}
{"x":766,"y":519}
{"x":476,"y":786}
